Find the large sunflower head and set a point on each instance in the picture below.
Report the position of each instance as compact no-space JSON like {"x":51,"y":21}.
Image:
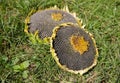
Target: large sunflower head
{"x":73,"y":48}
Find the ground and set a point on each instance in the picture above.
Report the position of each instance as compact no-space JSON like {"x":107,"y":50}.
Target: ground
{"x":24,"y":62}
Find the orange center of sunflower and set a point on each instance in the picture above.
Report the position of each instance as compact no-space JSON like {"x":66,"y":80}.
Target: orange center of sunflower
{"x":57,"y":16}
{"x":79,"y":44}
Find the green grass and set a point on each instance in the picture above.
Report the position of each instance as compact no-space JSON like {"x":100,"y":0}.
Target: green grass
{"x":21,"y":61}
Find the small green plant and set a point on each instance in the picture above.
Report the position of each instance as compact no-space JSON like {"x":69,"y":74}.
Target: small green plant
{"x":20,"y":67}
